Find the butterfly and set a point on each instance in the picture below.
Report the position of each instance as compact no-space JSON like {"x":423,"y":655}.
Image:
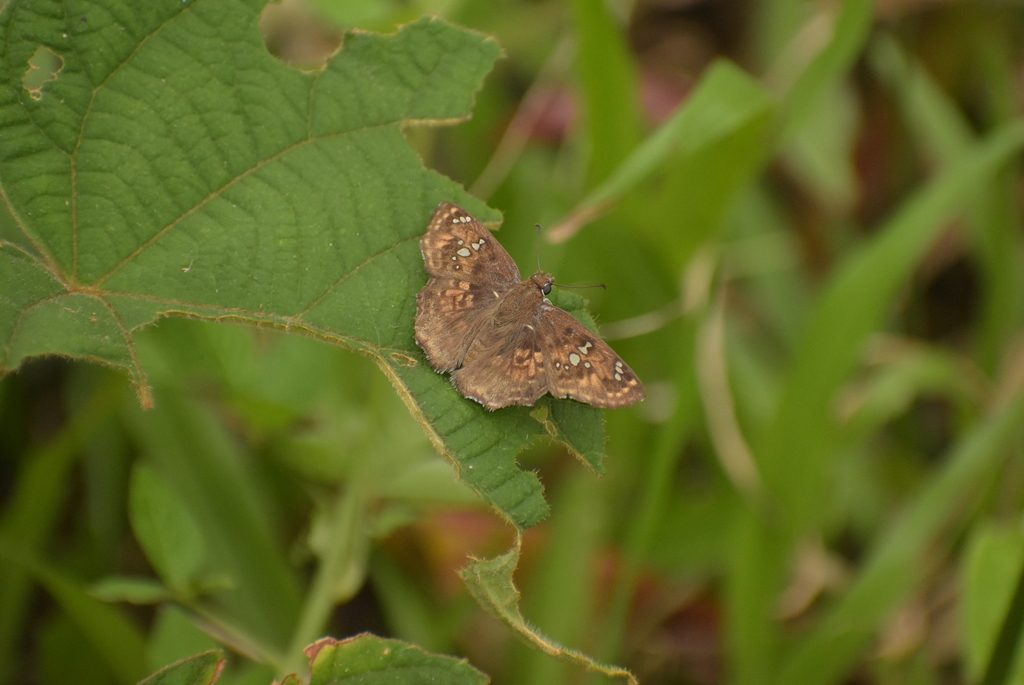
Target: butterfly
{"x":499,"y":336}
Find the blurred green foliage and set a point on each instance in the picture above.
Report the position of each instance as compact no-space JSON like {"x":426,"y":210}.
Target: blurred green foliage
{"x":808,"y":218}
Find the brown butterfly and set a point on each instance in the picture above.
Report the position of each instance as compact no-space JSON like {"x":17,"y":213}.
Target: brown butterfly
{"x":499,"y":336}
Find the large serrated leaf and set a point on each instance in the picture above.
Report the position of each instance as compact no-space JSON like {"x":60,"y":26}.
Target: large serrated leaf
{"x":169,"y":166}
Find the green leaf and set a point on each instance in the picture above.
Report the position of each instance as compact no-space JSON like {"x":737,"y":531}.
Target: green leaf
{"x":176,"y":169}
{"x":172,"y":167}
{"x":131,"y":590}
{"x":370,"y":659}
{"x":165,"y":528}
{"x":490,"y":583}
{"x":201,"y":669}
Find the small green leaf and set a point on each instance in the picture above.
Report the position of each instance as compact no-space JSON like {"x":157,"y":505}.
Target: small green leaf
{"x":490,"y":583}
{"x":131,"y":590}
{"x":370,"y":659}
{"x":201,"y":669}
{"x":165,"y":528}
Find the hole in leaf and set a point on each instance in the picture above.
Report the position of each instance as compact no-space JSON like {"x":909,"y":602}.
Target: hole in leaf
{"x":298,"y":35}
{"x":43,"y":67}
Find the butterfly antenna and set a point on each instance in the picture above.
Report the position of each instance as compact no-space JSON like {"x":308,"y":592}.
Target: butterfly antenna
{"x":595,"y":285}
{"x":536,"y":246}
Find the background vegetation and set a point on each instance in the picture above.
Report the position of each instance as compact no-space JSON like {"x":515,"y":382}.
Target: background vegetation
{"x":808,"y":219}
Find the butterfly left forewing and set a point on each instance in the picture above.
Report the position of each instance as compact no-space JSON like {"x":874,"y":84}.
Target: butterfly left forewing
{"x":582,"y":366}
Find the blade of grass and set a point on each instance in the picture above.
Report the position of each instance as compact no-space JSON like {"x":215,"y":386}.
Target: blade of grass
{"x":653,"y":500}
{"x":36,"y":503}
{"x":1005,"y":652}
{"x":853,"y":306}
{"x":941,"y":129}
{"x":849,"y":34}
{"x":609,"y":83}
{"x":831,"y":650}
{"x":724,"y":102}
{"x":118,"y":640}
{"x":794,"y":453}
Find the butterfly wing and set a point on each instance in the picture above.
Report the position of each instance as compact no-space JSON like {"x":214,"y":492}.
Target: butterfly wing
{"x":503,"y":367}
{"x":469,"y":270}
{"x":458,"y":246}
{"x":580,"y":365}
{"x":449,"y":312}
{"x":552,"y":353}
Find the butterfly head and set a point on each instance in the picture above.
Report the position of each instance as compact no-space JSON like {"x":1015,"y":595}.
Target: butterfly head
{"x":542,"y":282}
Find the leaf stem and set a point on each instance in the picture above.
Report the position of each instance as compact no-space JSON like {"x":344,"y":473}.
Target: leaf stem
{"x":339,"y":576}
